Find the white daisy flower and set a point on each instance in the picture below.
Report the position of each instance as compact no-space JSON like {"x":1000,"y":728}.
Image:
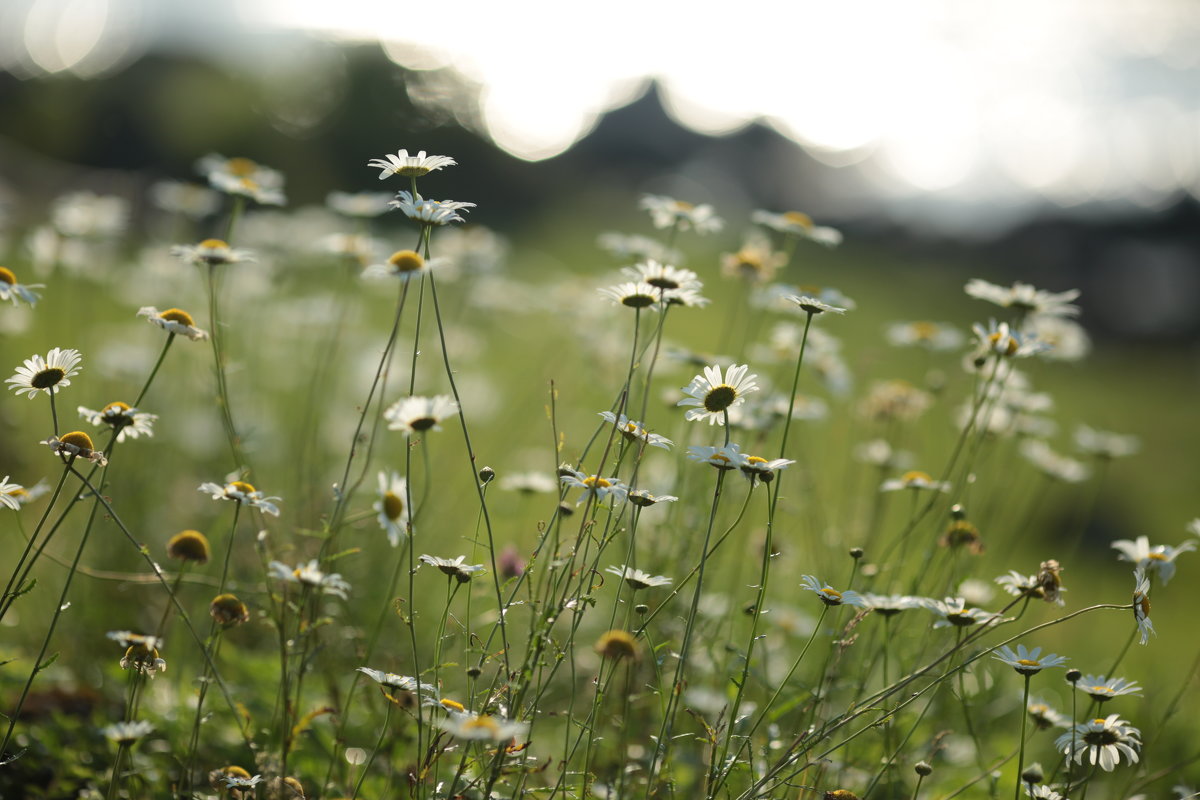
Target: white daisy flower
{"x":393,"y":506}
{"x":798,"y":224}
{"x":76,"y":444}
{"x":888,"y":605}
{"x":666,"y":212}
{"x":935,"y":336}
{"x":633,"y":431}
{"x":1103,"y":689}
{"x":238,"y":167}
{"x":482,"y":727}
{"x":16,"y":292}
{"x":594,"y":486}
{"x":528,"y":482}
{"x":242,"y":492}
{"x":173,"y":320}
{"x":914,"y":479}
{"x":755,"y":261}
{"x":1159,"y":558}
{"x":756,"y":468}
{"x":711,"y":393}
{"x":1052,"y":464}
{"x":644,"y":498}
{"x":1101,"y":741}
{"x":141,"y":652}
{"x":454,"y":567}
{"x":86,"y":214}
{"x":210,"y":253}
{"x":1066,"y":339}
{"x":1045,"y":585}
{"x":724,"y":458}
{"x":1102,"y":444}
{"x":430,"y":212}
{"x":127,"y":732}
{"x":46,"y":374}
{"x":954,"y":611}
{"x":638,"y":579}
{"x":1004,"y":342}
{"x":247,"y":187}
{"x":9,"y":493}
{"x":1044,"y":717}
{"x":310,"y":574}
{"x":242,"y":781}
{"x":634,"y":295}
{"x":420,"y":414}
{"x":129,"y":423}
{"x":390,"y":680}
{"x":187,"y":199}
{"x":663,"y":276}
{"x":403,"y":264}
{"x":830,"y":596}
{"x":129,"y":639}
{"x":1042,"y":792}
{"x":1024,"y":298}
{"x":358,"y":204}
{"x":814,"y":306}
{"x":407,"y":166}
{"x":1141,"y":605}
{"x":688,"y":298}
{"x":1027,"y":662}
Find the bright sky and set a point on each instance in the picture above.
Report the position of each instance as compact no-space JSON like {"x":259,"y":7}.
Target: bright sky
{"x":1070,"y":99}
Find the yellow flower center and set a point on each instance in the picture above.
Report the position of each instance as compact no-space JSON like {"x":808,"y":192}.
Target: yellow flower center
{"x":1100,"y":690}
{"x":78,"y":439}
{"x":406,"y":261}
{"x":755,"y":460}
{"x":213,"y":244}
{"x":617,"y":644}
{"x":683,"y":205}
{"x":7,"y":276}
{"x":914,"y":476}
{"x":241,"y":167}
{"x":798,"y":218}
{"x":720,"y":398}
{"x":393,"y":506}
{"x":595,"y":481}
{"x":1157,"y":556}
{"x":483,"y":722}
{"x":242,"y":486}
{"x":924,"y":330}
{"x":1025,"y":662}
{"x":115,"y":407}
{"x":1009,"y":343}
{"x":453,"y":705}
{"x":177,"y":315}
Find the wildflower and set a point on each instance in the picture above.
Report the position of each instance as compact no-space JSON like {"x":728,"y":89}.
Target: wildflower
{"x":211,"y":253}
{"x":1000,"y":340}
{"x":244,"y":493}
{"x":187,"y":199}
{"x":830,"y":596}
{"x":663,"y":276}
{"x":634,"y":295}
{"x":953,"y":611}
{"x":936,"y":336}
{"x":9,"y":492}
{"x":249,"y":188}
{"x":1160,"y":558}
{"x":403,"y":264}
{"x":914,"y":479}
{"x":402,"y":682}
{"x":1041,"y":792}
{"x":895,"y":400}
{"x":392,"y":506}
{"x":756,"y":468}
{"x":454,"y":567}
{"x":238,"y":167}
{"x":242,"y":780}
{"x":1052,"y":464}
{"x":11,"y":290}
{"x":1103,"y":741}
{"x":359,"y":204}
{"x":1043,"y":716}
{"x":712,"y":394}
{"x":1027,"y":662}
{"x":1019,"y":585}
{"x":430,"y":212}
{"x":1141,"y":604}
{"x":595,"y":486}
{"x":174,"y":321}
{"x":84,"y":214}
{"x":1025,"y":298}
{"x":235,"y":782}
{"x":420,"y":414}
{"x":509,"y":563}
{"x":667,"y":212}
{"x":723,"y":458}
{"x":633,"y":431}
{"x":228,"y":610}
{"x":799,"y":225}
{"x":128,"y":638}
{"x":812,"y":306}
{"x":528,"y":482}
{"x":76,"y":444}
{"x":638,"y":579}
{"x":311,"y":575}
{"x":482,"y":727}
{"x":644,"y":498}
{"x":890,"y":604}
{"x":127,"y":733}
{"x":285,"y":788}
{"x":961,"y":533}
{"x":126,"y":421}
{"x":1105,"y":445}
{"x":617,"y":644}
{"x":189,"y":546}
{"x":1065,"y":339}
{"x":46,"y":374}
{"x":407,"y":166}
{"x":1103,"y":689}
{"x":755,"y":261}
{"x":142,"y":656}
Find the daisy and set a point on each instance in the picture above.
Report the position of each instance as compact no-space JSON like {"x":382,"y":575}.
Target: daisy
{"x":936,"y":336}
{"x":228,"y":610}
{"x":888,"y":605}
{"x":454,"y":567}
{"x":644,"y":498}
{"x":663,"y":276}
{"x":1002,"y":341}
{"x":1043,"y":716}
{"x":420,"y":414}
{"x":211,"y":252}
{"x":11,"y":290}
{"x":248,"y":187}
{"x":723,"y":458}
{"x":174,"y":321}
{"x":1042,"y":792}
{"x":1025,"y":298}
{"x":594,"y":486}
{"x":1103,"y":689}
{"x":1052,"y":464}
{"x":830,"y":596}
{"x":127,"y":733}
{"x":812,"y":306}
{"x":429,"y":212}
{"x":76,"y":444}
{"x":667,"y":212}
{"x":688,"y":298}
{"x":633,"y":431}
{"x":634,"y":295}
{"x":712,"y":394}
{"x":954,"y":611}
{"x":9,"y":493}
{"x":1102,"y":444}
{"x":242,"y":492}
{"x":638,"y":579}
{"x":247,"y":781}
{"x":482,"y":727}
{"x":392,"y":506}
{"x":528,"y":482}
{"x":755,"y":261}
{"x":143,"y":657}
{"x":1027,"y":662}
{"x":403,"y":264}
{"x":1066,"y":339}
{"x":310,"y":574}
{"x":1103,"y":741}
{"x":1019,"y":585}
{"x":914,"y":479}
{"x":1160,"y":558}
{"x":127,"y":422}
{"x":756,"y":468}
{"x":358,"y":204}
{"x":129,"y":639}
{"x":46,"y":375}
{"x":407,"y":166}
{"x":87,"y":214}
{"x":1141,"y":605}
{"x":213,"y":165}
{"x":792,"y":223}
